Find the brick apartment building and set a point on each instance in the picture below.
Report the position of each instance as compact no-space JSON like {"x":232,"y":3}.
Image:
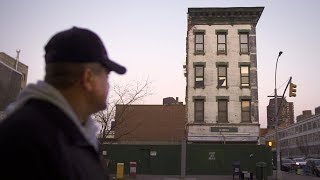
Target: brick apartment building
{"x":286,"y":112}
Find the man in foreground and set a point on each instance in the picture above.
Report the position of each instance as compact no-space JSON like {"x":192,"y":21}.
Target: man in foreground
{"x":48,"y":132}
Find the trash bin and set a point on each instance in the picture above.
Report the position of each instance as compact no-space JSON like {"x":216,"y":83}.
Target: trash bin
{"x":246,"y":175}
{"x":236,"y":169}
{"x":133,"y":169}
{"x":261,"y":171}
{"x":120,"y":168}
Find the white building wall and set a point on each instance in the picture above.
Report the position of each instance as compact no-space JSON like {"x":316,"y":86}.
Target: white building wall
{"x":210,"y":80}
{"x":210,"y":91}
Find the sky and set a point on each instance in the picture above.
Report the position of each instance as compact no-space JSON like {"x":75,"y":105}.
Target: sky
{"x":149,"y":38}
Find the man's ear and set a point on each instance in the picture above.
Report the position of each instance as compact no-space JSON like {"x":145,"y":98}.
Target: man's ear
{"x":87,"y":79}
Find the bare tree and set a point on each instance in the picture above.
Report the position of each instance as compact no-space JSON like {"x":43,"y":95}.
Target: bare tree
{"x":125,"y":95}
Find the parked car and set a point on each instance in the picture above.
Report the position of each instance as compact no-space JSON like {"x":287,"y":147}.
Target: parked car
{"x":313,"y":167}
{"x":300,"y":162}
{"x":287,"y":165}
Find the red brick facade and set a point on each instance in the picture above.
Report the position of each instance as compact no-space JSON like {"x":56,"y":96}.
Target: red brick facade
{"x":150,"y":123}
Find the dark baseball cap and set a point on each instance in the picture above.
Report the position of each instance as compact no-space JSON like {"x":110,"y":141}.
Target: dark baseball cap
{"x":78,"y":45}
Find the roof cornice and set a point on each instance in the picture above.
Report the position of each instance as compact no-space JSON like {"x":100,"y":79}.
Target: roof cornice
{"x":222,"y":16}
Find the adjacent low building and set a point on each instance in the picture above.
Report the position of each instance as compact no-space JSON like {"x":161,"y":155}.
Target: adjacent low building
{"x":301,"y":139}
{"x":15,"y":64}
{"x":13,"y":78}
{"x":150,"y":124}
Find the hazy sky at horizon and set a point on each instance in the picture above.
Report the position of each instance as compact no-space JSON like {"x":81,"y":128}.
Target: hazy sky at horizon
{"x":149,"y":38}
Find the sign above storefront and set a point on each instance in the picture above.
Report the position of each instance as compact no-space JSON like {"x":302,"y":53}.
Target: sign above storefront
{"x":224,"y":129}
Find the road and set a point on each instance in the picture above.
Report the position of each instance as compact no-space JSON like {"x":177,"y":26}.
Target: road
{"x":293,"y":176}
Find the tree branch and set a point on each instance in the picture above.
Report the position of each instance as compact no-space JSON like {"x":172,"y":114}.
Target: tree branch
{"x":121,"y":95}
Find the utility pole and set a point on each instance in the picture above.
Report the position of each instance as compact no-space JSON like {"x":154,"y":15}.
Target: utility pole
{"x":276,"y":116}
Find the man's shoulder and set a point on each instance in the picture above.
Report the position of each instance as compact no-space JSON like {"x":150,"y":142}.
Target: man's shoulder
{"x":35,"y":116}
{"x":32,"y":109}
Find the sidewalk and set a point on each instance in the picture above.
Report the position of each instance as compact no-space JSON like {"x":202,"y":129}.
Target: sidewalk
{"x":175,"y":177}
{"x":283,"y":176}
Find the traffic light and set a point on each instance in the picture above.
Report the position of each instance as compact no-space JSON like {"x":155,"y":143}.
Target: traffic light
{"x":292,"y":90}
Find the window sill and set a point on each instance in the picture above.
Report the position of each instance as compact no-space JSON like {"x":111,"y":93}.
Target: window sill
{"x":221,"y":122}
{"x":199,"y":87}
{"x":221,"y":54}
{"x":244,"y":122}
{"x":244,"y":53}
{"x":245,"y":87}
{"x":222,"y":87}
{"x":198,"y":122}
{"x":199,"y":53}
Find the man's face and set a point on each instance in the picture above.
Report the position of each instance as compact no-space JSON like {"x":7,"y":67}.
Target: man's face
{"x":97,"y":97}
{"x":103,"y":90}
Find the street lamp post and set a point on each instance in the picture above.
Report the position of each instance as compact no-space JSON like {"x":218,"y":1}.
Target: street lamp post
{"x":276,"y":117}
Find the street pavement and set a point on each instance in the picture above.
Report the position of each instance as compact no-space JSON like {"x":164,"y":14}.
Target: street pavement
{"x":293,"y":176}
{"x":281,"y":176}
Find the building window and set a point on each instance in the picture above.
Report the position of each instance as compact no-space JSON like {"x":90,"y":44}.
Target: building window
{"x":244,"y":43}
{"x":245,"y":111}
{"x":245,"y":76}
{"x":199,"y":76}
{"x":222,"y":76}
{"x":199,"y":42}
{"x":309,"y":125}
{"x":199,"y":110}
{"x":222,"y":110}
{"x":221,"y":43}
{"x":304,"y":127}
{"x":314,"y":124}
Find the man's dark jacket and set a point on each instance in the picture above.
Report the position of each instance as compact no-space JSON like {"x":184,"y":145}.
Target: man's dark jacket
{"x":39,"y":142}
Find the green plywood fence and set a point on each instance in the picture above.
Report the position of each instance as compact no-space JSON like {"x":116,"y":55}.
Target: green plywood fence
{"x":206,"y":159}
{"x":201,"y":159}
{"x":151,"y":159}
